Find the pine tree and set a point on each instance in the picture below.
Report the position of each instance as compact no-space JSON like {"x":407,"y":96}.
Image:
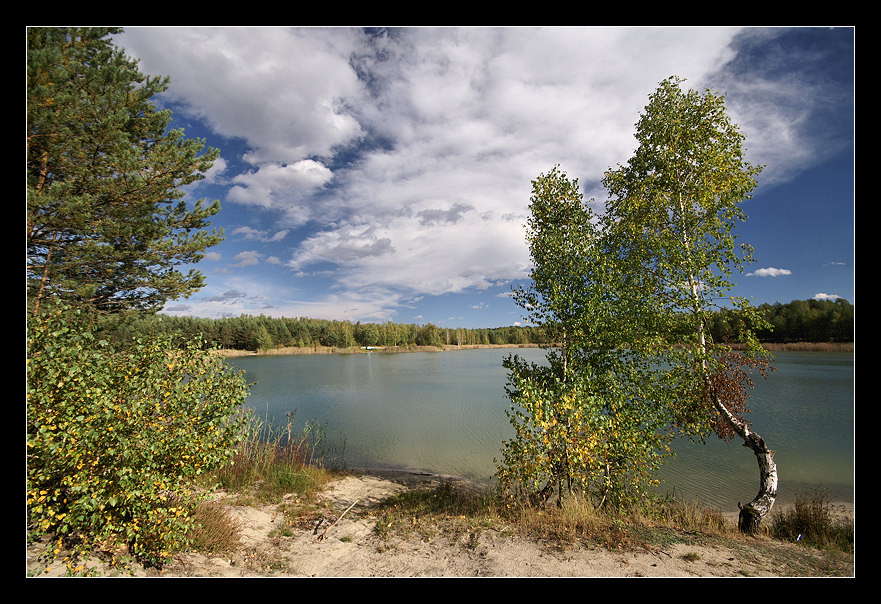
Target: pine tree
{"x":107,"y":225}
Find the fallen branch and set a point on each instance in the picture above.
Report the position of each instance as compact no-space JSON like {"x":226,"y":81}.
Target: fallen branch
{"x":322,"y":536}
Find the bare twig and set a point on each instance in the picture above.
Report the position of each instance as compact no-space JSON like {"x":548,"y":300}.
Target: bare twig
{"x":323,"y":535}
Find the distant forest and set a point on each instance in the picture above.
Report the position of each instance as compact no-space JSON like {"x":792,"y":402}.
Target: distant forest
{"x":818,"y":321}
{"x":796,"y":321}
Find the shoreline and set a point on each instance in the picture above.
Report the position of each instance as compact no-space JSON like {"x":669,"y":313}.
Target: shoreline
{"x":319,"y":350}
{"x":343,"y":539}
{"x":830,"y":347}
{"x":412,"y":478}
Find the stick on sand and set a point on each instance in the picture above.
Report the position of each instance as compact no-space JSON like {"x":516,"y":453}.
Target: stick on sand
{"x":324,"y":534}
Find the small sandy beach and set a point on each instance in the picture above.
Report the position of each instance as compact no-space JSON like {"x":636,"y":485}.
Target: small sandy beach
{"x":343,"y":543}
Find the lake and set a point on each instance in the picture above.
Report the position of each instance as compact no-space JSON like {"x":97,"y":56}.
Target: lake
{"x":444,"y":412}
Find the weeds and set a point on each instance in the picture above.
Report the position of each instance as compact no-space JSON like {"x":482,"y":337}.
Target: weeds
{"x":444,"y":507}
{"x":574,"y":521}
{"x":272,"y":462}
{"x":810,"y":521}
{"x":215,"y":530}
{"x":685,"y":516}
{"x":269,"y":465}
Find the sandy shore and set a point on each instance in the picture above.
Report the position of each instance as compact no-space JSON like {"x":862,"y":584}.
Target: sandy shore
{"x":344,"y":543}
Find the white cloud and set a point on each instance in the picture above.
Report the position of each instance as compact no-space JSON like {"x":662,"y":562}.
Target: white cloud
{"x":442,"y":129}
{"x":281,"y":187}
{"x":249,"y":258}
{"x":259,"y":235}
{"x":831,"y":297}
{"x":341,"y":246}
{"x":769,"y":272}
{"x":247,"y":294}
{"x":472,"y":116}
{"x":280,"y":89}
{"x":227,"y":296}
{"x":215,"y":173}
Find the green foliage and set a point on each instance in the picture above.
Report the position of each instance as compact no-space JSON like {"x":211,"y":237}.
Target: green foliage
{"x":673,"y":208}
{"x":629,"y":295}
{"x":107,"y":225}
{"x":670,"y":222}
{"x":584,"y":424}
{"x":801,"y":321}
{"x":117,"y":437}
{"x":248,"y":332}
{"x":581,"y":438}
{"x":244,"y":332}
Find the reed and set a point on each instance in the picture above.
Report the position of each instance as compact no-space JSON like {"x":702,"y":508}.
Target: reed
{"x":273,"y":461}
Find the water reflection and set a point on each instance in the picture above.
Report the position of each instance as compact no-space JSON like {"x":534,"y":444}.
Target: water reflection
{"x":446,"y":413}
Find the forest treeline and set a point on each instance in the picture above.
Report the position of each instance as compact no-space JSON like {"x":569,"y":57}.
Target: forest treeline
{"x":796,"y":321}
{"x":818,"y":321}
{"x":248,"y":332}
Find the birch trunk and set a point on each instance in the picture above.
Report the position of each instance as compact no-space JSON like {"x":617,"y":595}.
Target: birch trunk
{"x":752,"y":513}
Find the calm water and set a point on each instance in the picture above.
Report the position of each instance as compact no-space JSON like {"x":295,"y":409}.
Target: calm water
{"x":445,"y":413}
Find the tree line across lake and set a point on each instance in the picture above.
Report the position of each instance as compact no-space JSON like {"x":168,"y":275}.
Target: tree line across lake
{"x":796,"y":321}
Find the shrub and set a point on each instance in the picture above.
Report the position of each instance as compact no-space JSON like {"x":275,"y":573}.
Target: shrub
{"x":583,"y":436}
{"x":810,"y":521}
{"x":116,"y":437}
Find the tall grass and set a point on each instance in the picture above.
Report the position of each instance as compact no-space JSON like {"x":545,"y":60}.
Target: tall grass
{"x":215,"y":530}
{"x":811,"y":521}
{"x":274,"y":461}
{"x":271,"y":463}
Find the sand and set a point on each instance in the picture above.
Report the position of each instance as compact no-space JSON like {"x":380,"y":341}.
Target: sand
{"x":345,"y":544}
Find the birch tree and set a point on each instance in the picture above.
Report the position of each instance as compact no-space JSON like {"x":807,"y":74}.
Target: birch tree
{"x":586,"y":423}
{"x":670,"y":224}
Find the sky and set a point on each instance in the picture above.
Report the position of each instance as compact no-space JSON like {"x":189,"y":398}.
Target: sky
{"x":384,"y":174}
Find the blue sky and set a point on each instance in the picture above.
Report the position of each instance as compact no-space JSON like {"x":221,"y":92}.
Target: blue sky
{"x":384,"y":174}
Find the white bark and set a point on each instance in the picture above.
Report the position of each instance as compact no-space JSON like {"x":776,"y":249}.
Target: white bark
{"x":752,"y":513}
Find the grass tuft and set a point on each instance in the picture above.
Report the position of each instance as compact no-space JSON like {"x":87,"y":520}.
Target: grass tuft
{"x":272,"y":463}
{"x":215,"y":531}
{"x":811,"y":522}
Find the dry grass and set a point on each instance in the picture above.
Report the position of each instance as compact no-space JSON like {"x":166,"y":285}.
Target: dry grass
{"x":216,"y":531}
{"x":574,"y":521}
{"x":809,"y":347}
{"x":661,"y":525}
{"x":811,"y":522}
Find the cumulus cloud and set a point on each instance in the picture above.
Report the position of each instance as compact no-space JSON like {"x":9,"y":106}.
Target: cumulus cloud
{"x":281,"y":187}
{"x":259,"y":235}
{"x":769,"y":272}
{"x":471,"y":116}
{"x":248,"y":258}
{"x":409,"y":152}
{"x":283,"y":90}
{"x":831,"y":297}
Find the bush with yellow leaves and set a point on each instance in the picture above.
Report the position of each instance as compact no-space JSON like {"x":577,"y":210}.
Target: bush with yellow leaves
{"x":116,"y":438}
